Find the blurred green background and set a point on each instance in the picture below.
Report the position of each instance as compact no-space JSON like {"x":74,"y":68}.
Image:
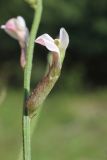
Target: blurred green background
{"x":73,"y":121}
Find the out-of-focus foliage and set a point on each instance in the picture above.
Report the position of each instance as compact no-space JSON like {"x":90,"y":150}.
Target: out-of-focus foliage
{"x":70,"y":127}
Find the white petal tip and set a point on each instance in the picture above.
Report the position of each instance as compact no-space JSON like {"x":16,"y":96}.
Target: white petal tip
{"x":2,"y":27}
{"x":64,"y":37}
{"x":20,"y":22}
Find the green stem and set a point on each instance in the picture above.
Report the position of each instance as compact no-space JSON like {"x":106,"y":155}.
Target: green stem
{"x":33,"y":33}
{"x":26,"y":138}
{"x":27,"y":77}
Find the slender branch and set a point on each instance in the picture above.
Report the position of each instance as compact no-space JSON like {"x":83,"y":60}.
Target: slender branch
{"x":27,"y":77}
{"x":35,"y":25}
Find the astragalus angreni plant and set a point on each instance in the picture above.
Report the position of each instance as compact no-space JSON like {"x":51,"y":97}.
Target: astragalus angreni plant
{"x":33,"y":100}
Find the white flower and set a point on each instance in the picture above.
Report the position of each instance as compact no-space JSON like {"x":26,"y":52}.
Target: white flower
{"x":56,"y":45}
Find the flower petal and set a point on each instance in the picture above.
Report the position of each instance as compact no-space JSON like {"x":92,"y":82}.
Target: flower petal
{"x":20,"y":22}
{"x":44,"y":37}
{"x":16,"y":28}
{"x":64,"y":38}
{"x":10,"y":28}
{"x":48,"y":42}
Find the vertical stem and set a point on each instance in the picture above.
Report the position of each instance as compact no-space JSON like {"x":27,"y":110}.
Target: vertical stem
{"x":27,"y":77}
{"x":26,"y":138}
{"x":35,"y":25}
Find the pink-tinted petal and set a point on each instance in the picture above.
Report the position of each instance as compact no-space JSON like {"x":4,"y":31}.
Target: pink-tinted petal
{"x":64,"y":38}
{"x":16,"y":28}
{"x":44,"y":37}
{"x":48,"y":42}
{"x":10,"y":25}
{"x":10,"y":28}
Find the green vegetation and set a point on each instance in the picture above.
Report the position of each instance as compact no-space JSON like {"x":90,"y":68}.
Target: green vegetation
{"x":72,"y":126}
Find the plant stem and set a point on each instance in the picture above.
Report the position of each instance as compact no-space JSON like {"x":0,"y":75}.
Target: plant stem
{"x":27,"y":77}
{"x":26,"y":138}
{"x":35,"y":25}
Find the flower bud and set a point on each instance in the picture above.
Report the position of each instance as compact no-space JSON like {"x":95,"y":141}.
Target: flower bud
{"x":43,"y":88}
{"x":16,"y":28}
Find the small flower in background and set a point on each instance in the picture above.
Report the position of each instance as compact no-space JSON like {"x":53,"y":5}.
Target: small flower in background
{"x":58,"y":45}
{"x":16,"y":28}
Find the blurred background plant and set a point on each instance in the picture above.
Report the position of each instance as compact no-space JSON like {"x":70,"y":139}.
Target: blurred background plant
{"x":76,"y":126}
{"x":2,"y":95}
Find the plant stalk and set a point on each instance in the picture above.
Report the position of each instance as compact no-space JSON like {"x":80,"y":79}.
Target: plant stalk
{"x":26,"y":138}
{"x":27,"y":76}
